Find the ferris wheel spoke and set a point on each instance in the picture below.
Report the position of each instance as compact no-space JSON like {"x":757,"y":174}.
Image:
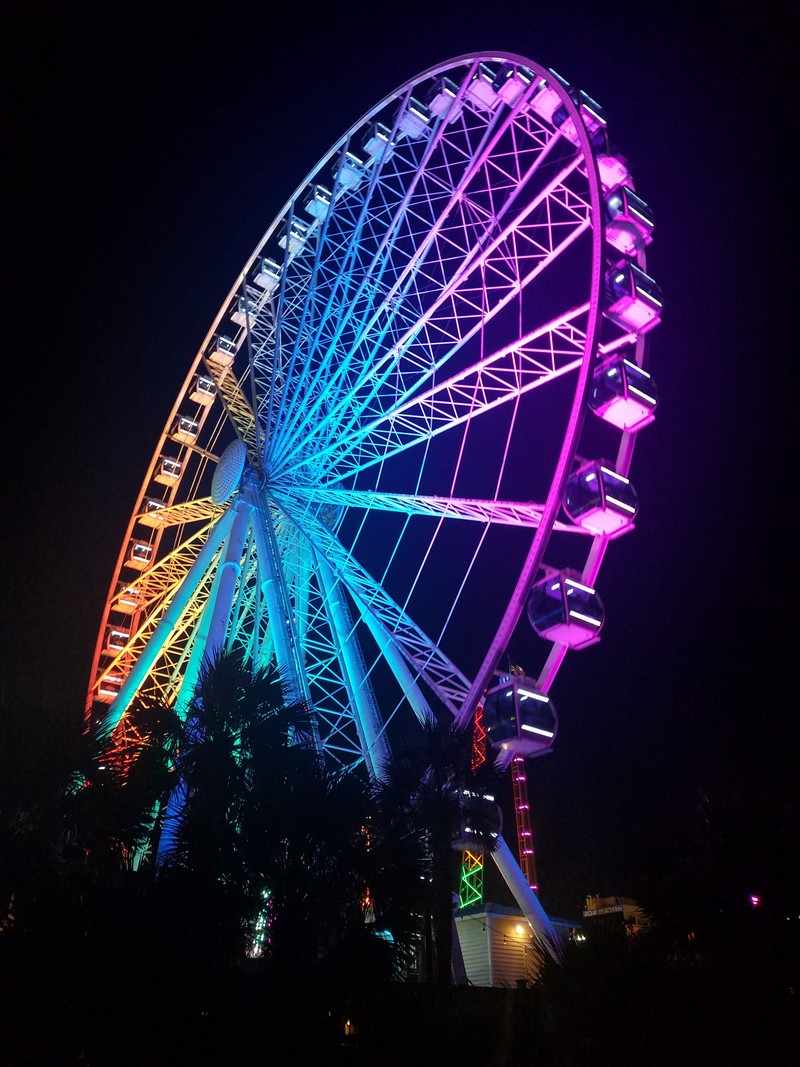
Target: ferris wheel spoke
{"x":249,"y":623}
{"x":283,"y":628}
{"x":339,"y":709}
{"x":333,"y":660}
{"x":411,"y":654}
{"x":322,"y":297}
{"x":140,"y":639}
{"x":237,"y":407}
{"x":500,"y":277}
{"x":265,"y":378}
{"x":427,"y":660}
{"x":178,"y":601}
{"x":406,"y":675}
{"x":152,"y":588}
{"x":172,"y":668}
{"x":184,"y":513}
{"x":445,"y":242}
{"x":499,"y":512}
{"x":364,"y":236}
{"x":335,"y":683}
{"x":386,"y":380}
{"x":362,"y":704}
{"x":543,"y":355}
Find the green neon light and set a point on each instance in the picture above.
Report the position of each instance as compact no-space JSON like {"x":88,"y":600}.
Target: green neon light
{"x":471,"y":883}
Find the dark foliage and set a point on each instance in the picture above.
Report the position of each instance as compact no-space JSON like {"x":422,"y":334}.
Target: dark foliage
{"x":420,"y":808}
{"x":107,"y":958}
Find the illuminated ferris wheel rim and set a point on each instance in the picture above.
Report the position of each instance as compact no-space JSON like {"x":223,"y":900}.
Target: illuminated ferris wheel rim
{"x":289,"y":469}
{"x":438,"y":70}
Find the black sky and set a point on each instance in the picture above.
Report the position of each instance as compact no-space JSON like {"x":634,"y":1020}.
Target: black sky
{"x":148,"y":147}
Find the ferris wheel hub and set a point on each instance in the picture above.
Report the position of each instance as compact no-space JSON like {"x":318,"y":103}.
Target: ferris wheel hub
{"x":229,"y":472}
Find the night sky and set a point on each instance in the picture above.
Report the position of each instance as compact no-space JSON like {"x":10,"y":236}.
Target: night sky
{"x":147,"y":149}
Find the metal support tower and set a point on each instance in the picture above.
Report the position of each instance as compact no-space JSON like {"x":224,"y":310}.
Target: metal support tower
{"x":471,"y":882}
{"x":522,"y":808}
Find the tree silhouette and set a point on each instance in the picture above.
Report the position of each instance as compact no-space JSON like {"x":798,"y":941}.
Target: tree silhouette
{"x":422,"y":798}
{"x":261,"y":834}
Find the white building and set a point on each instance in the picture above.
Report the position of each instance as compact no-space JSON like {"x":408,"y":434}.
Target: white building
{"x":498,"y":945}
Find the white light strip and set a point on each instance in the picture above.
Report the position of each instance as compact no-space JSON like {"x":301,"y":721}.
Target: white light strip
{"x":536,"y":730}
{"x":613,"y":474}
{"x":577,"y":585}
{"x":620,"y":504}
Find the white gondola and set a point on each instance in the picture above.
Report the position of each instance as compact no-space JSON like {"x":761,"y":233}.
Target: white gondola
{"x":140,"y":555}
{"x":633,"y":300}
{"x":184,"y":430}
{"x":350,"y":171}
{"x":629,"y":222}
{"x":564,"y":610}
{"x":414,"y":120}
{"x":318,"y":203}
{"x":600,"y":500}
{"x":511,"y":82}
{"x":591,"y":113}
{"x":546,"y":100}
{"x":519,"y":719}
{"x":151,"y":515}
{"x":481,"y":91}
{"x":269,"y":275}
{"x":168,"y":471}
{"x":245,"y":313}
{"x":612,"y":170}
{"x":222,"y":352}
{"x":204,"y":391}
{"x":379,"y":144}
{"x":442,"y":100}
{"x":623,"y":394}
{"x":116,"y":639}
{"x":128,"y":600}
{"x":109,"y":688}
{"x":294,"y":236}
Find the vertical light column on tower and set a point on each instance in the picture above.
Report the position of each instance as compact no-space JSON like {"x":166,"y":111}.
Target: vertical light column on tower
{"x":470,"y":889}
{"x":522,"y":808}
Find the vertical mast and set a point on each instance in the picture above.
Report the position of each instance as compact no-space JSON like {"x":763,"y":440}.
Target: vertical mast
{"x":522,"y":809}
{"x":471,"y":881}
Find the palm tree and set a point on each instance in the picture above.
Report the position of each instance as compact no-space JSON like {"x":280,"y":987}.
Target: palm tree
{"x":39,"y":749}
{"x":422,"y":799}
{"x":259,"y":828}
{"x":70,"y":825}
{"x":114,"y":804}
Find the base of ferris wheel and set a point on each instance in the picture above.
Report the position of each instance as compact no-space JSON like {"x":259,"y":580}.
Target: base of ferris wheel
{"x":499,"y":944}
{"x":496,"y":944}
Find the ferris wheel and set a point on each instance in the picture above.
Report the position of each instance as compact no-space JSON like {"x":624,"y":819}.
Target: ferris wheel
{"x":409,"y":426}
